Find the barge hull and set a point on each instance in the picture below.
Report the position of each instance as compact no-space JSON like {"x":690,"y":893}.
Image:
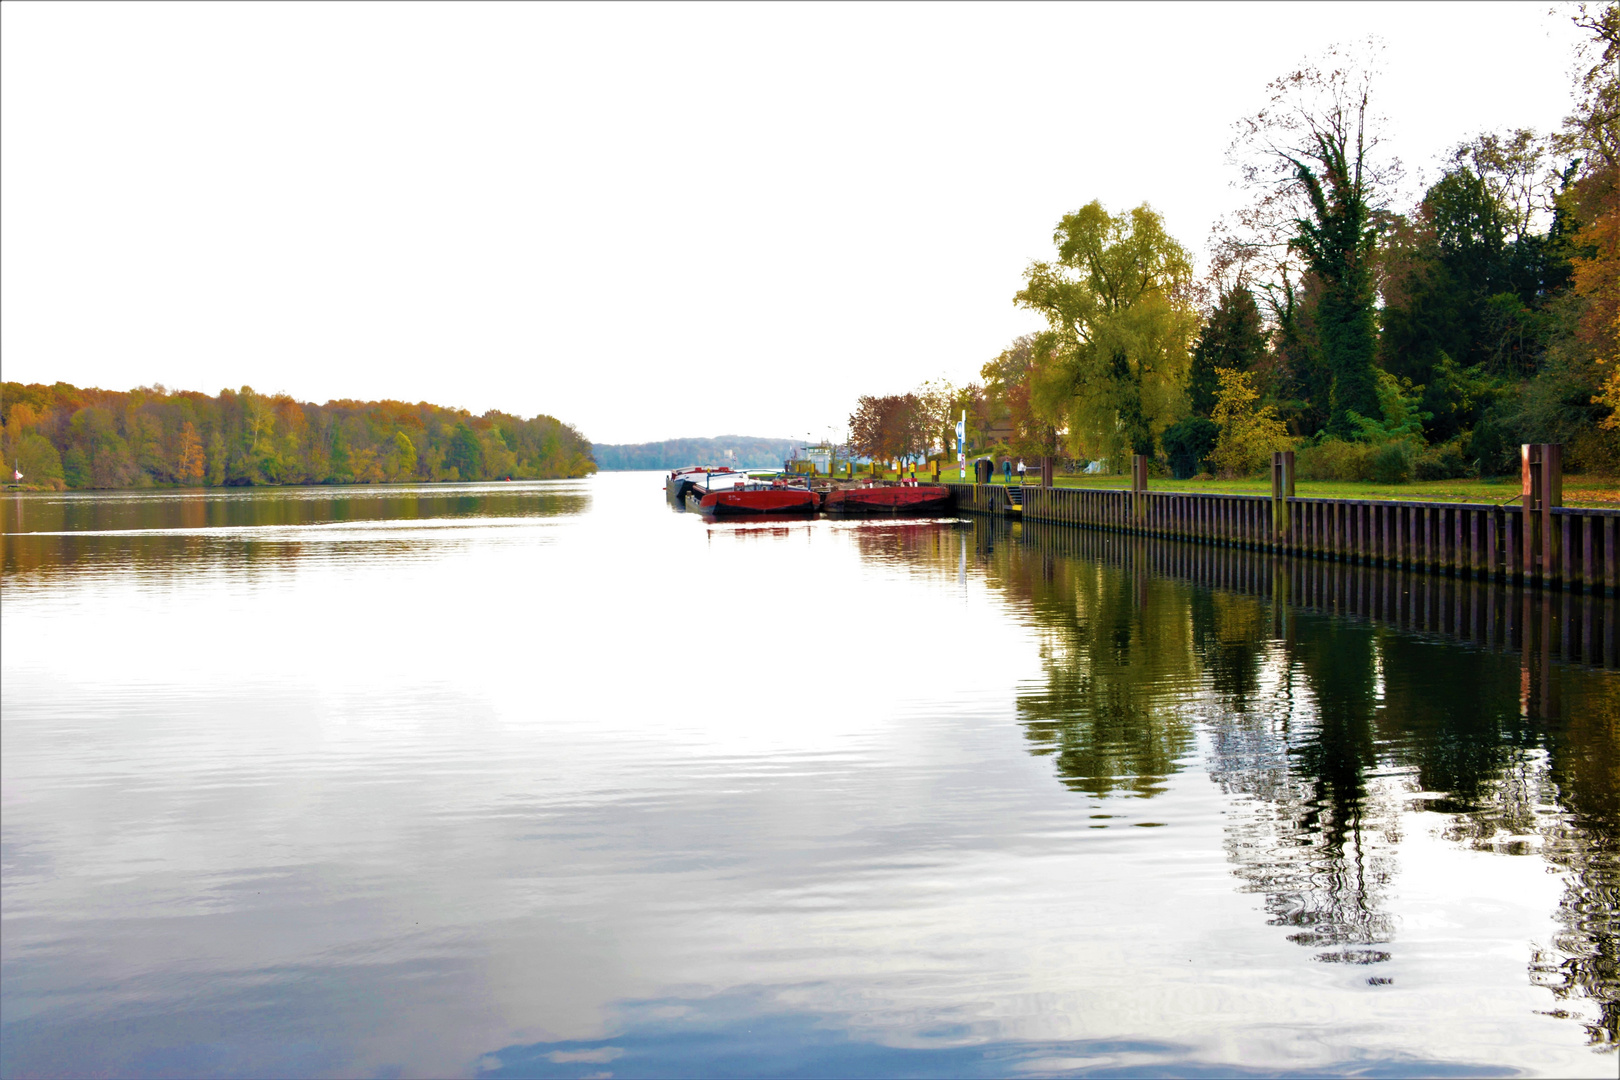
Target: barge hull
{"x":890,"y":501}
{"x":752,"y":503}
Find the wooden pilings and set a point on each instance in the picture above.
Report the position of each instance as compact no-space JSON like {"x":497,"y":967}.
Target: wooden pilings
{"x":1537,"y":542}
{"x":1282,"y":489}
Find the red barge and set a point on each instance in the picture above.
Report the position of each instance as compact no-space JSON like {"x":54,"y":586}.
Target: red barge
{"x":736,"y":494}
{"x":726,"y":492}
{"x":893,"y":499}
{"x":748,"y":502}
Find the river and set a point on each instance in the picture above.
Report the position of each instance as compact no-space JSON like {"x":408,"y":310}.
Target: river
{"x":548,"y":779}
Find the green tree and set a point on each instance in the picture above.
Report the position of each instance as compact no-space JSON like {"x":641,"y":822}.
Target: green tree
{"x":38,"y":461}
{"x":110,"y":465}
{"x":339,"y":468}
{"x":1188,"y":444}
{"x":1311,"y":153}
{"x":466,"y":454}
{"x":1118,"y":302}
{"x":1234,"y":337}
{"x":404,"y":460}
{"x":76,"y":467}
{"x":1459,"y":283}
{"x":1401,"y":419}
{"x":215,"y":474}
{"x":499,"y":460}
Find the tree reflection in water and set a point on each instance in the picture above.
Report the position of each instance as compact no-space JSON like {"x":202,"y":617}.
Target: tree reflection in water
{"x":167,"y":532}
{"x":1332,"y":699}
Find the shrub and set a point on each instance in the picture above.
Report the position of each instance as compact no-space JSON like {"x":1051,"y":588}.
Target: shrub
{"x":1493,"y":446}
{"x":1334,"y":459}
{"x":1392,"y":462}
{"x":1188,"y":443}
{"x":1595,"y":450}
{"x":1443,"y":462}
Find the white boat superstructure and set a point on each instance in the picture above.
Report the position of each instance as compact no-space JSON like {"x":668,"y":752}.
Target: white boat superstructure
{"x":680,"y":481}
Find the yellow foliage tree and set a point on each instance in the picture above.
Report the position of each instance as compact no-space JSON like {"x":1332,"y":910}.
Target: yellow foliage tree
{"x":1597,"y":278}
{"x":191,"y":464}
{"x":1610,"y":395}
{"x":1248,"y":435}
{"x":1120,"y":309}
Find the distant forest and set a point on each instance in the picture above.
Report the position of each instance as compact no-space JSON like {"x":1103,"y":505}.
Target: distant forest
{"x":62,"y":436}
{"x":733,"y":450}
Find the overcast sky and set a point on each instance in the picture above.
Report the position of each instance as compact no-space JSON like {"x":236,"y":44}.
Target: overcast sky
{"x":650,"y":221}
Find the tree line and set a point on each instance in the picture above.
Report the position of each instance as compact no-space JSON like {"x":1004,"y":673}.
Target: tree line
{"x":64,"y":436}
{"x":737,"y":451}
{"x":1380,"y":340}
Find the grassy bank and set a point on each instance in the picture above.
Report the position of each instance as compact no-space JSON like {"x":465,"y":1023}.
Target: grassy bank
{"x":1597,"y":491}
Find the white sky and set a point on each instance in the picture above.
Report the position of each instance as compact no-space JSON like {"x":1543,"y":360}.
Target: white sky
{"x":650,"y":221}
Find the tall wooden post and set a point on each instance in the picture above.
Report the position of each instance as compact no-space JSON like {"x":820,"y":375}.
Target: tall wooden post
{"x":1046,"y":472}
{"x":1552,"y":495}
{"x":1282,"y":489}
{"x":1139,"y":477}
{"x":1541,"y":471}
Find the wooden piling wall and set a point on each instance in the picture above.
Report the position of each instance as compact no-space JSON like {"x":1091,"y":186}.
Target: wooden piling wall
{"x":1580,"y":552}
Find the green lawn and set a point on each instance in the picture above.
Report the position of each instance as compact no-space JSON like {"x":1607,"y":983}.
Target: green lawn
{"x":1597,"y":491}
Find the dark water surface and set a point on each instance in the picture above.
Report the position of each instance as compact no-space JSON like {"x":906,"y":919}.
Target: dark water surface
{"x":547,"y":780}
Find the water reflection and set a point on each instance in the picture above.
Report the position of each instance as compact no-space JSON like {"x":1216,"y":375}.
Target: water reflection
{"x":757,"y":1034}
{"x":1481,"y":703}
{"x":561,"y":783}
{"x":64,"y":535}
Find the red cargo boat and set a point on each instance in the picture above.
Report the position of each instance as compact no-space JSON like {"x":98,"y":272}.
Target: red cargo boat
{"x":896,"y":499}
{"x":738,"y":496}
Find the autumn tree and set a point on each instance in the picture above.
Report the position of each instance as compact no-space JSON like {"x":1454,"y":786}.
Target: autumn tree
{"x":1008,"y":383}
{"x":1593,"y":132}
{"x":1248,"y":432}
{"x":191,"y":465}
{"x":935,"y":401}
{"x":888,"y":427}
{"x":974,"y":401}
{"x":28,"y":452}
{"x":402,"y":459}
{"x":1567,"y":397}
{"x":20,"y":418}
{"x":1118,"y":303}
{"x":1311,"y":156}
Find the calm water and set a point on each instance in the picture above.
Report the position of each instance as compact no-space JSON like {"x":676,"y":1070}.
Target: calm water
{"x":546,"y":779}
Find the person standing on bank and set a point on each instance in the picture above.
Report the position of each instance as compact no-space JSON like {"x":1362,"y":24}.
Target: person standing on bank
{"x":1020,"y":470}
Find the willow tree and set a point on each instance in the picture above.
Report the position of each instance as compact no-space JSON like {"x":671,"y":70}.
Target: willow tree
{"x":1119,"y":305}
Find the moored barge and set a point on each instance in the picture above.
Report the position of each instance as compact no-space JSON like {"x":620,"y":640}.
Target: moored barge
{"x":739,"y":495}
{"x":906,"y":497}
{"x":680,"y":481}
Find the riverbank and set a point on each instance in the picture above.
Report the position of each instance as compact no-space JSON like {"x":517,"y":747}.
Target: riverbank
{"x":1590,"y":491}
